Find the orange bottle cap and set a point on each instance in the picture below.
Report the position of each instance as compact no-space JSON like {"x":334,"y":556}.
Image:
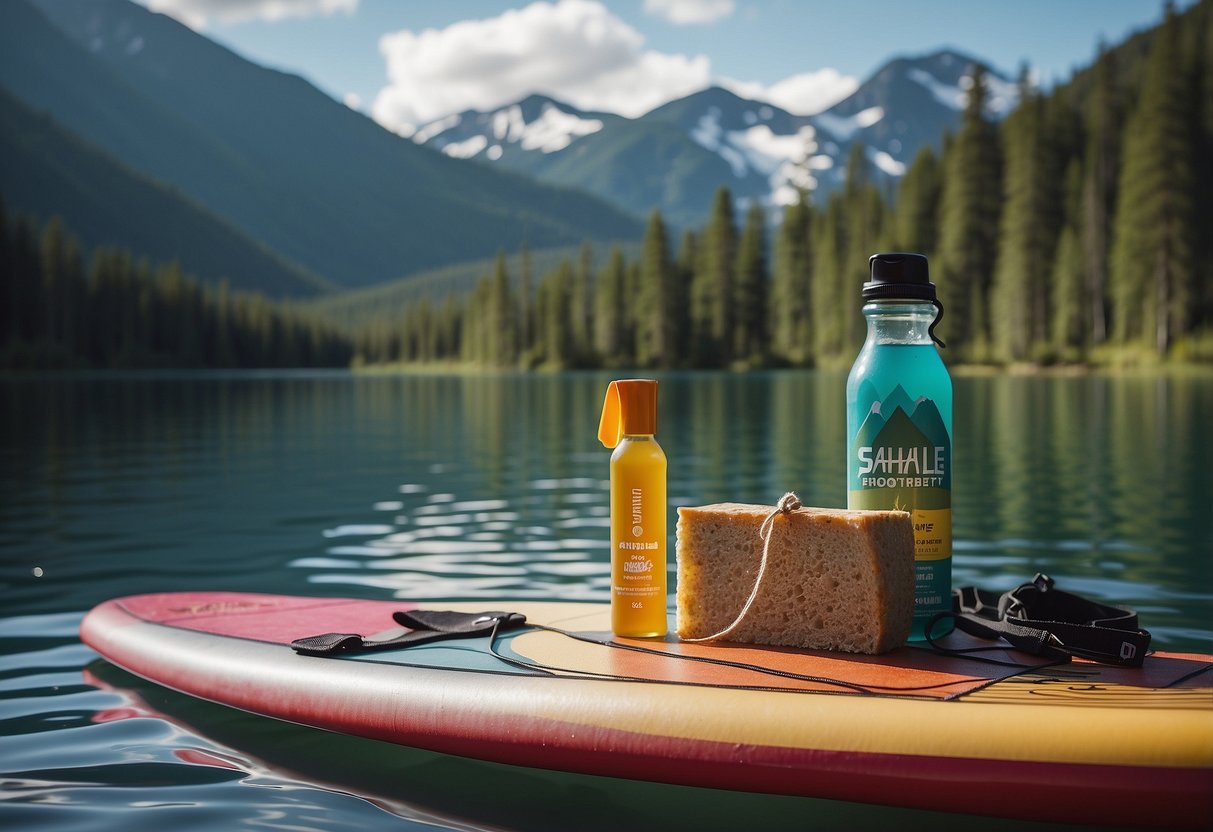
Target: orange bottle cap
{"x":630,"y":408}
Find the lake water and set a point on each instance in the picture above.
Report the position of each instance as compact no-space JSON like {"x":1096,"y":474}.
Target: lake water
{"x":464,"y":487}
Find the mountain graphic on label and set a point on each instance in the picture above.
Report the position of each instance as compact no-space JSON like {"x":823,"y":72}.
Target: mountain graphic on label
{"x":900,"y":432}
{"x":867,"y":396}
{"x":927,"y":419}
{"x":904,"y":455}
{"x":872,"y":425}
{"x":898,"y":398}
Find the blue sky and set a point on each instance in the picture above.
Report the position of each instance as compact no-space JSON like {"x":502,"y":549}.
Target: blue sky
{"x":410,"y":62}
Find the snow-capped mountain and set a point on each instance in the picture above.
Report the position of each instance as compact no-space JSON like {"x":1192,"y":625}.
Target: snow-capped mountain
{"x":675,"y":156}
{"x":536,"y":124}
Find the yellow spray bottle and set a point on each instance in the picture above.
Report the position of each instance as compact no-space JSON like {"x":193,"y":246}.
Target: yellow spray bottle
{"x":638,"y":503}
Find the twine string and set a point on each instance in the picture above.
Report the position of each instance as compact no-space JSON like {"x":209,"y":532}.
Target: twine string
{"x":787,"y":504}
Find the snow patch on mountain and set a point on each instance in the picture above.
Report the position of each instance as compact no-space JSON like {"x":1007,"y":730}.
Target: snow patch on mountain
{"x":708,"y":134}
{"x":844,"y":127}
{"x":426,"y":132}
{"x":886,"y":162}
{"x":767,"y":151}
{"x":946,"y":94}
{"x":467,"y":148}
{"x":783,"y":159}
{"x":551,"y":131}
{"x":555,"y":130}
{"x":1001,"y":95}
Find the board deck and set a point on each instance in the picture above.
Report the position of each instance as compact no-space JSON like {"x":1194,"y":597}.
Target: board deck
{"x":1078,"y":743}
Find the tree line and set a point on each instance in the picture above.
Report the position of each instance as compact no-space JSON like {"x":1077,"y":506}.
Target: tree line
{"x":119,"y":312}
{"x":1075,"y":230}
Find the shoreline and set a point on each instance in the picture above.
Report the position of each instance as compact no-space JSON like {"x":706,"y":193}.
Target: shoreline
{"x":461,"y":368}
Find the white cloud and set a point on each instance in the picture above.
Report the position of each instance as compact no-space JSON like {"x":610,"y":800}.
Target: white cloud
{"x":689,"y":12}
{"x":197,"y":13}
{"x":574,"y":50}
{"x":804,"y":94}
{"x":353,"y":100}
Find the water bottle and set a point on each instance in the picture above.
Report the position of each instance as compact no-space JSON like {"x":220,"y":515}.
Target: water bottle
{"x":899,"y":422}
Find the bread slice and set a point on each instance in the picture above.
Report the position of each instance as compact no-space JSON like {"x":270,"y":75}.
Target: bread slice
{"x":835,"y":579}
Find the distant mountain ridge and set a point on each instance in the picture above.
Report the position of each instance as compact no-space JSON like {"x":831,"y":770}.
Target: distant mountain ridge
{"x":321,"y":185}
{"x":675,"y":156}
{"x":47,"y":171}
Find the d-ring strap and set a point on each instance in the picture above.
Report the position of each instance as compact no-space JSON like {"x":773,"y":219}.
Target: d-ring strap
{"x":416,"y":627}
{"x":1044,"y":621}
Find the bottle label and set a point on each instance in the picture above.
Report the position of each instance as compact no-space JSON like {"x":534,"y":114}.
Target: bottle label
{"x":901,"y":459}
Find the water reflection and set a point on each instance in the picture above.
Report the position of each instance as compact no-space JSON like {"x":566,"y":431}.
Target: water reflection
{"x":474,"y":486}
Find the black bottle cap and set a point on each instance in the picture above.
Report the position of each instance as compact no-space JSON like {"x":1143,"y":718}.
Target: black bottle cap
{"x":898,"y":275}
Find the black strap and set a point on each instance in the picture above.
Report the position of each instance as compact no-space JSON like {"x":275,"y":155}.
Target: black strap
{"x":1044,"y":621}
{"x":416,"y":627}
{"x":424,"y":626}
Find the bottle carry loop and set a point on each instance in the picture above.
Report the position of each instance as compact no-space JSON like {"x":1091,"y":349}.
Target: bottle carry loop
{"x":938,"y":317}
{"x":1044,"y":621}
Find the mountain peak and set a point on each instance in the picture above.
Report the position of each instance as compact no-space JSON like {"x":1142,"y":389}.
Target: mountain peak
{"x":537,"y":122}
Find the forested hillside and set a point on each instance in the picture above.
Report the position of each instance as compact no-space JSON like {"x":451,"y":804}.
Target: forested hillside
{"x":113,"y":311}
{"x":265,"y":152}
{"x":1076,"y":230}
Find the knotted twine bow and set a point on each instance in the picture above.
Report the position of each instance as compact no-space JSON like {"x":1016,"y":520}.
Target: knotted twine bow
{"x":787,"y":504}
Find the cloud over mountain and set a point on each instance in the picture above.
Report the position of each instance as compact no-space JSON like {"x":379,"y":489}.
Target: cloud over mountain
{"x":803,"y":94}
{"x":577,"y":50}
{"x":197,"y":13}
{"x":690,"y":12}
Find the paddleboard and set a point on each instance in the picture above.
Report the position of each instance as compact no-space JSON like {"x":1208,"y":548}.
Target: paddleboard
{"x":1075,"y":743}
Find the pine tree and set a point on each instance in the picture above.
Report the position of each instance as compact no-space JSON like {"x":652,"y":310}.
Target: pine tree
{"x":829,"y":245}
{"x":632,"y":290}
{"x":1027,"y":232}
{"x":224,"y":348}
{"x":582,"y":307}
{"x":712,"y":292}
{"x":526,"y":323}
{"x":476,"y":340}
{"x":791,"y":285}
{"x":610,"y":323}
{"x":1103,"y":117}
{"x":1152,"y":270}
{"x":750,"y":330}
{"x":451,"y":327}
{"x":863,"y":218}
{"x":1199,"y":30}
{"x":54,"y":293}
{"x":969,"y":211}
{"x":553,"y":318}
{"x":916,"y":220}
{"x":27,"y":283}
{"x":501,"y":327}
{"x":9,"y":316}
{"x":1068,"y":274}
{"x":655,"y":329}
{"x":682,"y":278}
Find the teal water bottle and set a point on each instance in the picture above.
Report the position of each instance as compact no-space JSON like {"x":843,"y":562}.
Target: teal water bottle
{"x":899,"y":422}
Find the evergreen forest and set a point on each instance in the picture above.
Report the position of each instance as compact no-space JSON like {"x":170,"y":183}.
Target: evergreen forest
{"x":1076,"y":230}
{"x":116,"y":312}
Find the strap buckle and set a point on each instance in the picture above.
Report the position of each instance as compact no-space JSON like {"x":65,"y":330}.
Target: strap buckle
{"x":1041,"y":619}
{"x":416,"y":627}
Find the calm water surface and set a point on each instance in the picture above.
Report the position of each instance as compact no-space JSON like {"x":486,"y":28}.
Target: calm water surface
{"x":467,"y":487}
